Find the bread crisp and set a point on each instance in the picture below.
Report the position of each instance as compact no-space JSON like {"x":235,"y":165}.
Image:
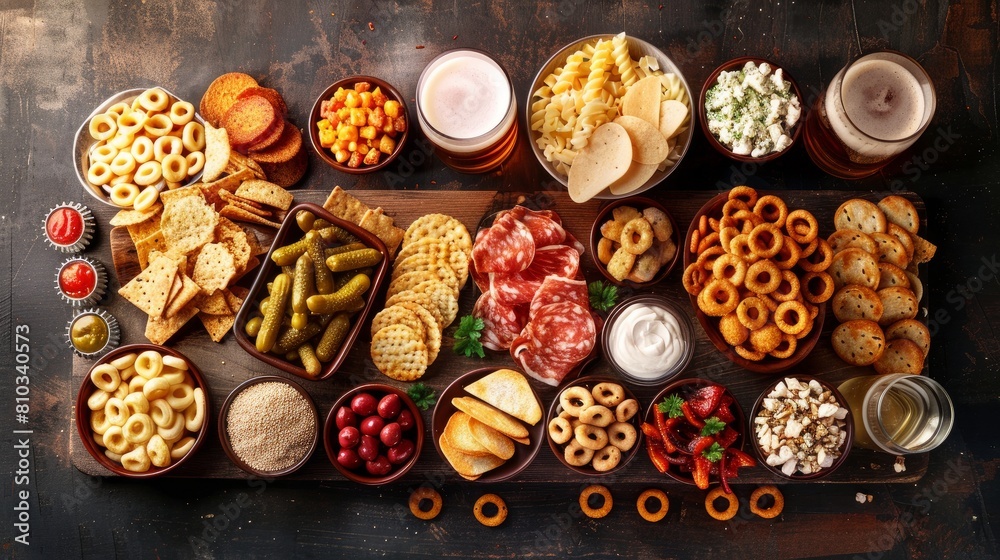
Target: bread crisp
{"x":221,"y":94}
{"x":509,"y":391}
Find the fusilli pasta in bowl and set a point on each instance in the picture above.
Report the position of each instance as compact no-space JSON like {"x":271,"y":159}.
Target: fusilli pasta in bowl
{"x":582,"y":87}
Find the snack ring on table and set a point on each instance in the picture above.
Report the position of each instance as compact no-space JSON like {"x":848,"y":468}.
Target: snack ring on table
{"x":428,"y":493}
{"x":490,"y":521}
{"x":774,"y":510}
{"x":729,"y":512}
{"x":658,"y":495}
{"x":596,"y":513}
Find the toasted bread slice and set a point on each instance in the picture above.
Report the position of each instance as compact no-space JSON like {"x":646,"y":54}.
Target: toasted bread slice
{"x":221,"y":95}
{"x":459,"y":436}
{"x":468,"y":466}
{"x":509,"y":391}
{"x":499,"y":421}
{"x":249,"y":121}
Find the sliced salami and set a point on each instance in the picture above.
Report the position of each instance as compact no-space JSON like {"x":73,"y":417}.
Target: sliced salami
{"x":482,"y":280}
{"x":555,"y":289}
{"x":573,"y":242}
{"x":558,"y":260}
{"x":501,"y":323}
{"x":505,"y":247}
{"x":558,"y":338}
{"x":544,"y":229}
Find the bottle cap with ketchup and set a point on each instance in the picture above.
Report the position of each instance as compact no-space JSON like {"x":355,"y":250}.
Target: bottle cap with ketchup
{"x":69,"y":227}
{"x":81,"y":281}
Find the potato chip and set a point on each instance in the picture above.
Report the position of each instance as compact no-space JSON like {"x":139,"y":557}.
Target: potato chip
{"x":643,"y":100}
{"x":265,"y":193}
{"x":494,"y":442}
{"x":648,"y":145}
{"x":468,"y":466}
{"x":673,"y":114}
{"x":606,"y":158}
{"x":508,"y":390}
{"x":491,"y":416}
{"x":635,"y":177}
{"x":460,"y":437}
{"x":217,"y":152}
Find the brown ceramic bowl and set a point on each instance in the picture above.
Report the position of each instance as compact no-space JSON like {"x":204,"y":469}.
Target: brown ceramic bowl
{"x":684,"y":388}
{"x":289,"y":233}
{"x":224,"y":431}
{"x":589,"y":382}
{"x":713,"y":208}
{"x":845,"y":447}
{"x":314,"y":117}
{"x":83,"y":413}
{"x":523,"y":454}
{"x":734,"y":65}
{"x":639,"y":203}
{"x":331,"y":432}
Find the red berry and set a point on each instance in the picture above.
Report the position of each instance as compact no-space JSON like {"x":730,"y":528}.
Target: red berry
{"x":379,"y":467}
{"x":369,"y":448}
{"x":401,"y":452}
{"x":348,"y":459}
{"x":372,"y":425}
{"x":349,"y":437}
{"x":346,"y":417}
{"x":405,"y":419}
{"x":391,"y":434}
{"x":364,"y":404}
{"x":389,"y":406}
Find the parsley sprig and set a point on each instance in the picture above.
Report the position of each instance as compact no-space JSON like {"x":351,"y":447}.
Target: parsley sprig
{"x":467,"y":337}
{"x":713,"y":426}
{"x":603,"y":296}
{"x":671,"y":406}
{"x":713,"y":453}
{"x":423,"y":396}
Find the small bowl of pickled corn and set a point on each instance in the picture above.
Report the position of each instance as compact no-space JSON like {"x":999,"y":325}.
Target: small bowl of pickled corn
{"x":312,"y":294}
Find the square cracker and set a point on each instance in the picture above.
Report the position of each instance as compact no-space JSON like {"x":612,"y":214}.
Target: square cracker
{"x":189,"y":223}
{"x":170,"y":197}
{"x":214,"y":268}
{"x":235,"y":301}
{"x":344,"y":206}
{"x":382,"y":226}
{"x":145,"y":247}
{"x":144,"y":229}
{"x":266,"y":193}
{"x":159,"y":330}
{"x":217,"y":325}
{"x":213,"y":304}
{"x":179,"y":299}
{"x":150,"y":289}
{"x":235,"y":239}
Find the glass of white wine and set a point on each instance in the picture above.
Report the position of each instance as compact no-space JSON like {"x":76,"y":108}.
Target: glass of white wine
{"x":899,"y":413}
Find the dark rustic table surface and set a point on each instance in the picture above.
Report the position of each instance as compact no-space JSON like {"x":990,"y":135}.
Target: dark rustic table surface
{"x":60,"y":58}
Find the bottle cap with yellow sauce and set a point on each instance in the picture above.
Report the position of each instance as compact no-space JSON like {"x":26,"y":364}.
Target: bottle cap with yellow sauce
{"x":92,"y":332}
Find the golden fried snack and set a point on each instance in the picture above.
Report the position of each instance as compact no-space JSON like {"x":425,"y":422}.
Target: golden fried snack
{"x":766,"y":240}
{"x":608,"y":394}
{"x":607,"y":458}
{"x":802,"y":226}
{"x":774,"y":510}
{"x":772,"y":209}
{"x":746,"y":195}
{"x":496,"y":519}
{"x":729,"y":512}
{"x":425,"y":493}
{"x":585,"y":501}
{"x":656,"y":494}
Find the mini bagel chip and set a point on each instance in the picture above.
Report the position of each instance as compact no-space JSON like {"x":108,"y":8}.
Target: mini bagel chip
{"x":492,"y":440}
{"x":673,"y":115}
{"x":900,"y":356}
{"x":860,"y":215}
{"x":509,"y":391}
{"x":648,"y":145}
{"x":491,"y":416}
{"x":604,"y":160}
{"x":399,"y":353}
{"x":643,"y":100}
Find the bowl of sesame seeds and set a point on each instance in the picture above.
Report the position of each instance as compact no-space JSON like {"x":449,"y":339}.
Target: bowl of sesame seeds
{"x":268,"y":426}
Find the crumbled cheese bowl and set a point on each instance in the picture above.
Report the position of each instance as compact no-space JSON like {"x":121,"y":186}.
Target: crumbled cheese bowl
{"x":751,"y":109}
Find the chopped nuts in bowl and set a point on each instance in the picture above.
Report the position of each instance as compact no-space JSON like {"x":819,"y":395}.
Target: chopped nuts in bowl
{"x":802,"y":427}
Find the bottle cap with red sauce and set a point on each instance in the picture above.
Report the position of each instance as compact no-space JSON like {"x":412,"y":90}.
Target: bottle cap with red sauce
{"x":81,"y":281}
{"x":69,"y":227}
{"x":93,"y":332}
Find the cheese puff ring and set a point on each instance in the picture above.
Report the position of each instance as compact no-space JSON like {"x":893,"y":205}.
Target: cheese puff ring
{"x":174,"y":168}
{"x":766,"y":338}
{"x":154,"y":99}
{"x":576,"y":454}
{"x":749,"y":353}
{"x":745,"y":194}
{"x":490,"y":521}
{"x":802,"y":226}
{"x":772,"y":209}
{"x":762,"y":277}
{"x":694,"y":278}
{"x":167,"y":145}
{"x":713,"y":224}
{"x":709,"y":241}
{"x":131,"y":122}
{"x":425,"y":493}
{"x":193,"y":136}
{"x":707,"y":259}
{"x":731,"y":207}
{"x":559,"y":430}
{"x":595,"y":513}
{"x":626,"y":410}
{"x":124,"y":194}
{"x":103,"y":127}
{"x":718,"y":298}
{"x":726,"y":514}
{"x":730,"y":267}
{"x":752,"y":313}
{"x":121,"y":179}
{"x":99,"y":173}
{"x":138,"y":428}
{"x":785,"y":348}
{"x":661,"y":511}
{"x":105,"y":377}
{"x":695,"y":239}
{"x":123,"y":164}
{"x":118,"y":109}
{"x":622,"y":435}
{"x":158,"y":125}
{"x":809,"y":249}
{"x":769,"y":302}
{"x":817,"y":287}
{"x":142,"y":149}
{"x":805,"y":332}
{"x":181,"y":113}
{"x":575,"y":399}
{"x":791,"y":317}
{"x":146,"y":199}
{"x":148,"y":173}
{"x":608,"y":394}
{"x":597,"y":415}
{"x":774,"y":510}
{"x":766,"y":240}
{"x":195,"y":163}
{"x":819,"y":260}
{"x":788,"y":289}
{"x":637,"y":236}
{"x":591,"y":437}
{"x":136,"y":460}
{"x":607,"y":458}
{"x":745,"y":221}
{"x":726,"y":236}
{"x":104,"y":153}
{"x":788,"y":256}
{"x":732,"y":329}
{"x":740,"y":246}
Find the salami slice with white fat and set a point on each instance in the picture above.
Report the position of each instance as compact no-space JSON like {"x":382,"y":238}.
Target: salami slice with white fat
{"x":505,"y":247}
{"x":555,"y":289}
{"x":501,"y":323}
{"x":554,"y":341}
{"x":520,"y":287}
{"x":573,"y":242}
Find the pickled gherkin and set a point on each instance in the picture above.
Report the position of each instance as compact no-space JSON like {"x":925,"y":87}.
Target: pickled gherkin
{"x":287,"y":255}
{"x":253,"y":326}
{"x":333,"y":234}
{"x":275,"y":312}
{"x":343,"y":249}
{"x":305,"y":220}
{"x":309,"y":360}
{"x":352,"y":260}
{"x":322,"y":274}
{"x":339,"y":300}
{"x":302,"y":288}
{"x":333,"y":337}
{"x":291,"y":337}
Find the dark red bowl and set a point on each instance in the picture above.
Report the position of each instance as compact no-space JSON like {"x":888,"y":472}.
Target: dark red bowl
{"x":845,"y":448}
{"x":523,"y":454}
{"x":327,"y":156}
{"x":555,"y":408}
{"x":605,"y":214}
{"x":713,"y":208}
{"x":224,"y":432}
{"x":289,"y":233}
{"x":685,"y":387}
{"x":332,"y":446}
{"x":82,"y":413}
{"x":736,"y":64}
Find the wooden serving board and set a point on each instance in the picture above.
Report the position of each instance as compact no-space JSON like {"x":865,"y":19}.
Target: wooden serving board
{"x":225,"y":365}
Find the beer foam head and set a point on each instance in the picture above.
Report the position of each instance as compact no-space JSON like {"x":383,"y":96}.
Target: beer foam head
{"x":465,"y":96}
{"x":883,"y":99}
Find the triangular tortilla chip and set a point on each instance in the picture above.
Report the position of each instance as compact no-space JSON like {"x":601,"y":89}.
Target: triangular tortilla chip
{"x":217,"y":325}
{"x":189,"y":289}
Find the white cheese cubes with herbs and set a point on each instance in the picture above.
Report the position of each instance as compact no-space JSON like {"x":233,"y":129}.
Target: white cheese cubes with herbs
{"x":752,"y":111}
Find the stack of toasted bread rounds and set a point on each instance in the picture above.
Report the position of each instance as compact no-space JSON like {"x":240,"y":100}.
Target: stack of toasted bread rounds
{"x":876,"y":252}
{"x":431,"y":268}
{"x":254,"y":120}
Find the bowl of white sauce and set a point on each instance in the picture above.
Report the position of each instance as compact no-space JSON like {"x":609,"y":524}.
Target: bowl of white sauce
{"x":648,"y":339}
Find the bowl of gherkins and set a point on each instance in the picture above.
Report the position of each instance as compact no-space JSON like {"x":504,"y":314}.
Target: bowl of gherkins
{"x":312,"y":294}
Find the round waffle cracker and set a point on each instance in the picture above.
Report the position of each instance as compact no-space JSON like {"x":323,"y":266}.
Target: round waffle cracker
{"x":899,"y":303}
{"x":398,"y":315}
{"x":399,"y":352}
{"x":432,"y":329}
{"x":859,"y":343}
{"x":423,"y":300}
{"x":857,"y":302}
{"x":410,"y":279}
{"x":911,"y":329}
{"x":900,"y":356}
{"x":439,"y":226}
{"x":431,"y":246}
{"x":854,"y":266}
{"x":442,"y":296}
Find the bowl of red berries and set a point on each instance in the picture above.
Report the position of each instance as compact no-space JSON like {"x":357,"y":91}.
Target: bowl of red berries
{"x":373,"y":434}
